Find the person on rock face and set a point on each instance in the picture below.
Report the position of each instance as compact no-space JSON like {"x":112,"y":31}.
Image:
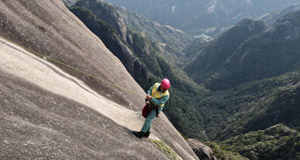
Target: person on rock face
{"x":156,"y":97}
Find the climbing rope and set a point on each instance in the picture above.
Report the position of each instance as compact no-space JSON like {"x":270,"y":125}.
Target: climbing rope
{"x":71,"y":67}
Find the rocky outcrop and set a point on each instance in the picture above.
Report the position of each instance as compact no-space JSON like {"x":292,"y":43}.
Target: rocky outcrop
{"x":171,"y":41}
{"x":47,"y":114}
{"x":112,"y":39}
{"x":49,"y":110}
{"x":202,"y":151}
{"x":107,"y":13}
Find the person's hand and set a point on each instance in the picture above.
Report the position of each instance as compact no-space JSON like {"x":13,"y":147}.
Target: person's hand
{"x":148,"y":97}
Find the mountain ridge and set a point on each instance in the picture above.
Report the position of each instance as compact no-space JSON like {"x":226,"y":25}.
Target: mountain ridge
{"x":256,"y":100}
{"x":274,"y":45}
{"x":205,"y":16}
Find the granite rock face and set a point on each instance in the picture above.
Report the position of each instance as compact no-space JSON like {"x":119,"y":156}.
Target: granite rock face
{"x":49,"y":111}
{"x":203,"y":151}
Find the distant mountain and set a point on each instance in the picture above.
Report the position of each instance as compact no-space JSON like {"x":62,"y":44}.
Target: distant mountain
{"x":171,"y":41}
{"x":271,"y":17}
{"x":202,"y":16}
{"x":240,"y":56}
{"x":253,"y":72}
{"x":209,"y":65}
{"x":70,"y":2}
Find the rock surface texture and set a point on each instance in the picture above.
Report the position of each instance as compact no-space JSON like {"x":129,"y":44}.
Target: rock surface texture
{"x":49,"y":111}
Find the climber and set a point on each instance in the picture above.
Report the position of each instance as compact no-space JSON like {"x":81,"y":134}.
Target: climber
{"x":157,"y":95}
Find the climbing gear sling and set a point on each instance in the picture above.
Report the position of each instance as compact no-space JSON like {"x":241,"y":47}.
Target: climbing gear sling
{"x":148,"y":108}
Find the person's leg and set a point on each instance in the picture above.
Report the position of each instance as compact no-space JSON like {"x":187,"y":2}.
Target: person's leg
{"x":148,"y":121}
{"x":145,"y":131}
{"x":151,"y":116}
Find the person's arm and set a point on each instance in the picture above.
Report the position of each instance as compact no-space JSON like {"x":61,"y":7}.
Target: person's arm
{"x":150,"y":91}
{"x":161,"y":101}
{"x":148,"y":96}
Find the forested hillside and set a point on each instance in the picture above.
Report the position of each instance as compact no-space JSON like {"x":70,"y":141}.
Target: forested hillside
{"x":240,"y":56}
{"x":253,"y":71}
{"x":276,"y":142}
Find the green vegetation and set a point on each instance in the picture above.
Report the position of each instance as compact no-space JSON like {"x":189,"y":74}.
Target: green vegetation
{"x":224,"y":154}
{"x":276,"y":142}
{"x":165,"y":149}
{"x":252,"y":106}
{"x":92,"y":21}
{"x":253,"y":73}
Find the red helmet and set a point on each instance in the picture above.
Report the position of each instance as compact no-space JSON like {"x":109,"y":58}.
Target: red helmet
{"x":165,"y":83}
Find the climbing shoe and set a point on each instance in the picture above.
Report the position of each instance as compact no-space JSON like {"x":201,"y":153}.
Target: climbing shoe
{"x":141,"y":134}
{"x":147,"y":134}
